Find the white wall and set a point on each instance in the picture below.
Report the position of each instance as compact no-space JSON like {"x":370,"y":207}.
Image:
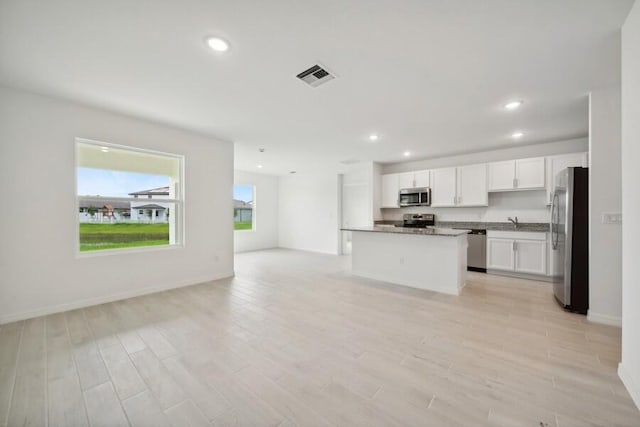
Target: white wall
{"x":308,"y":212}
{"x":605,"y":195}
{"x":265,"y":213}
{"x":521,"y":152}
{"x":39,"y":270}
{"x":630,"y":367}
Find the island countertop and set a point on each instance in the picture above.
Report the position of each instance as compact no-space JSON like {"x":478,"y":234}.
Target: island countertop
{"x":429,"y":231}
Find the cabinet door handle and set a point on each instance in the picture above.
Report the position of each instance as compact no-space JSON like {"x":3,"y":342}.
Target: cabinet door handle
{"x":515,"y":182}
{"x":459,"y":199}
{"x":514,"y":246}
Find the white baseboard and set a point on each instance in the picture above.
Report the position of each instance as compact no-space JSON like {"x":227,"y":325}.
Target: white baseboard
{"x":59,"y":308}
{"x":604,"y":319}
{"x":632,"y":387}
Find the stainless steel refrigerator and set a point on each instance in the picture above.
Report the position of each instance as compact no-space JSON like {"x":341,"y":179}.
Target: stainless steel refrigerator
{"x":570,"y":239}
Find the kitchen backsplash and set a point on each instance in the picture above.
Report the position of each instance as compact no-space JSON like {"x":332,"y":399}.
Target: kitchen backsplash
{"x":528,"y":206}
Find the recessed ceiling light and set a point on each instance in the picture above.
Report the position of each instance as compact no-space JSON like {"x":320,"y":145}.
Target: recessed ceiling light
{"x":259,"y":166}
{"x":512,"y":105}
{"x":517,"y":135}
{"x":374,"y":137}
{"x":217,"y":44}
{"x":407,"y":153}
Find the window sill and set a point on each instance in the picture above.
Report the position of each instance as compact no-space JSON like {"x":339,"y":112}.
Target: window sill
{"x":126,"y":251}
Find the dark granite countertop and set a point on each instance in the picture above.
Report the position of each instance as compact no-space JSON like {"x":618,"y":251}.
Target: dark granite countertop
{"x":494,"y":226}
{"x":430,"y":231}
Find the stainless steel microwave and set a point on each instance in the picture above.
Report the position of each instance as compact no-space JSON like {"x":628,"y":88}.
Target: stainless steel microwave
{"x":414,"y":197}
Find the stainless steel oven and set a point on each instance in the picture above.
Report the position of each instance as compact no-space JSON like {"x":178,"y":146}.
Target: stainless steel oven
{"x":414,"y":197}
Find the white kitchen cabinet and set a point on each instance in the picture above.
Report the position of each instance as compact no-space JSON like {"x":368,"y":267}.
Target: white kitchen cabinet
{"x":390,"y":186}
{"x":520,"y":174}
{"x":405,"y":180}
{"x":519,"y":252}
{"x":443,"y":187}
{"x":422,"y":178}
{"x":529,"y":174}
{"x":500,"y":254}
{"x":557,"y":163}
{"x":530,"y":256}
{"x":472,"y":186}
{"x":501,"y":175}
{"x":413,"y":179}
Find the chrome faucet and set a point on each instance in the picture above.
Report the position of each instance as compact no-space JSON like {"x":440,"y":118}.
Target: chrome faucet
{"x":514,"y":221}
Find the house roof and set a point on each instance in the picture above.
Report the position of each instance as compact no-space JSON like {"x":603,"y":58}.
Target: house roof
{"x":241,"y":204}
{"x":150,"y":206}
{"x":160,"y":191}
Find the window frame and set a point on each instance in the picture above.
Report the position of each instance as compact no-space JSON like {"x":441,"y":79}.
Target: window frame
{"x":179,"y":202}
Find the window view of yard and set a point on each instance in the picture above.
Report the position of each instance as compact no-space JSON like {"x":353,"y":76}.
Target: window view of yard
{"x":122,"y":235}
{"x":126,"y":198}
{"x":243,"y":207}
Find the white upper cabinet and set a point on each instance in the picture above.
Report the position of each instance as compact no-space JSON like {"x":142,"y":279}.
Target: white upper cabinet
{"x":405,"y":180}
{"x":413,"y":179}
{"x":521,"y":174}
{"x":530,"y":174}
{"x":502,"y":175}
{"x":443,"y":187}
{"x":390,"y":186}
{"x":557,"y":163}
{"x":472,"y":186}
{"x":421,"y":178}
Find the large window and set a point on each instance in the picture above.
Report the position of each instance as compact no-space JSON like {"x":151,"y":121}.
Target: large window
{"x":127,"y":197}
{"x":243,"y":207}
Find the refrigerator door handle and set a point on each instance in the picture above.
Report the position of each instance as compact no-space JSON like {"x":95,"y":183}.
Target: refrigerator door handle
{"x":555,"y":217}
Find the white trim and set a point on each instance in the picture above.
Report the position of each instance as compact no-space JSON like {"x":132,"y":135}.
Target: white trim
{"x":121,"y":251}
{"x":179,"y":203}
{"x":107,"y":298}
{"x":604,"y":319}
{"x":632,"y":387}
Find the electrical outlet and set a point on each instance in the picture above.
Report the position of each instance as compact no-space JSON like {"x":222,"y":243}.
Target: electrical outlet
{"x":612,"y":218}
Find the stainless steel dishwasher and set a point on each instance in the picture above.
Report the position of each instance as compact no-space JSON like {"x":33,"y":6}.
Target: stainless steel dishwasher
{"x":477,"y":251}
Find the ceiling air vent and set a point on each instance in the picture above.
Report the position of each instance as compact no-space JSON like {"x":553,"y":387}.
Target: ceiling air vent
{"x":315,"y":76}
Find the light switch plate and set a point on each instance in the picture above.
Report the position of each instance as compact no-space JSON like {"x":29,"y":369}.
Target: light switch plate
{"x":612,"y":218}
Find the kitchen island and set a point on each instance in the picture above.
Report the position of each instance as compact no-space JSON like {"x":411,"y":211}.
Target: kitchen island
{"x":426,"y":258}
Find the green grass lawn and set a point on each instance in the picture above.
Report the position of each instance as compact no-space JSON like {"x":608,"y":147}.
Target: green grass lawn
{"x":113,"y":236}
{"x":247,"y":225}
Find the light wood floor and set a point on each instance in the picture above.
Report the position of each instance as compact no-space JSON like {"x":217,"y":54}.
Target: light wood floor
{"x":295,"y":340}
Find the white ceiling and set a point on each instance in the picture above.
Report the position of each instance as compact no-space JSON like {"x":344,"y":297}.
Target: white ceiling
{"x":428,"y":76}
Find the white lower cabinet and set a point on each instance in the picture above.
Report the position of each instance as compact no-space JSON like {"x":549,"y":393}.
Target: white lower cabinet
{"x":531,"y":256}
{"x":520,"y":252}
{"x":500,"y":254}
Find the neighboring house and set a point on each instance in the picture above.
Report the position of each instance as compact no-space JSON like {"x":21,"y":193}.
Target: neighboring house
{"x":146,"y":211}
{"x":107,"y":210}
{"x":242,"y":211}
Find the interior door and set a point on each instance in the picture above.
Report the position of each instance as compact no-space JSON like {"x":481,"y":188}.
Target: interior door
{"x":355,"y":211}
